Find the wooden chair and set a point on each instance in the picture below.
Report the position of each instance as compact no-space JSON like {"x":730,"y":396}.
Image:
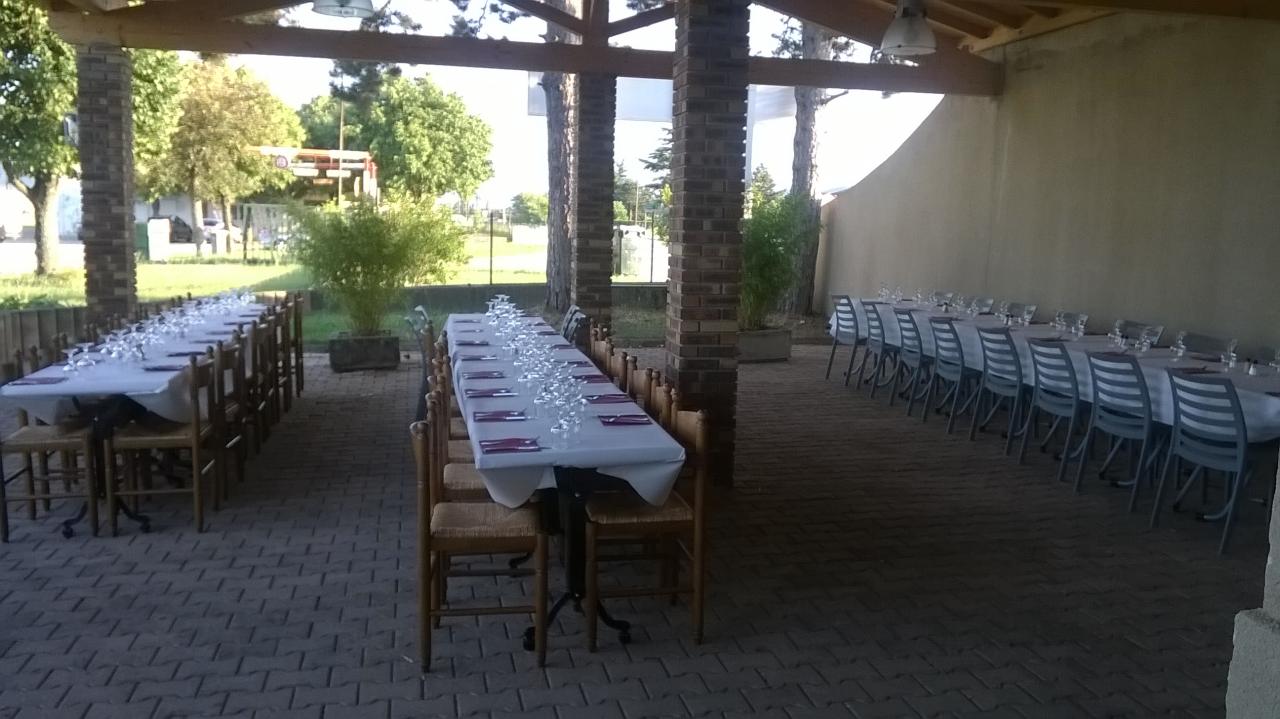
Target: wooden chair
{"x":262,"y":385}
{"x":660,"y":403}
{"x":451,"y":529}
{"x":459,"y":450}
{"x":284,"y":356}
{"x":601,"y":348}
{"x":198,"y":436}
{"x":639,"y":383}
{"x":679,"y":525}
{"x":234,"y":422}
{"x":295,"y":337}
{"x":618,"y":370}
{"x":36,"y":443}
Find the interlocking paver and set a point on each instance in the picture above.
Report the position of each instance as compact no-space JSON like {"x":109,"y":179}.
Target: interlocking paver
{"x":863,"y":566}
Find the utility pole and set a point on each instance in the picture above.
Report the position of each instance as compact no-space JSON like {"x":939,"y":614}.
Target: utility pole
{"x":342,"y":126}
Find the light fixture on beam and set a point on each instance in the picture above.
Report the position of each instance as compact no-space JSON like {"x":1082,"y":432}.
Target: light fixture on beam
{"x":909,"y":34}
{"x":344,"y":8}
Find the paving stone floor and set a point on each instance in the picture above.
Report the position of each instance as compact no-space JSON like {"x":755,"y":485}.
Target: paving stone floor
{"x":865,"y":566}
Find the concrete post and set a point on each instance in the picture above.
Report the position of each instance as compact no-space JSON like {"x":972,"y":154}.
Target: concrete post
{"x":104,"y":103}
{"x":1253,"y":682}
{"x":707,"y":176}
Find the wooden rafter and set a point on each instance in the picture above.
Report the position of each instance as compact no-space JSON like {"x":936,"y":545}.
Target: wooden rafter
{"x":944,"y":20}
{"x":1252,"y":9}
{"x":1009,"y":16}
{"x":555,"y":16}
{"x":643,"y":19}
{"x":1038,"y":25}
{"x":240,"y":38}
{"x":96,"y":5}
{"x":223,"y":9}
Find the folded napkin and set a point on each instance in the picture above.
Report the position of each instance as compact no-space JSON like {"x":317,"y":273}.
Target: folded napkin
{"x":477,"y":358}
{"x":562,"y":346}
{"x":1050,"y":339}
{"x":251,"y":317}
{"x":475,"y":392}
{"x":502,"y":415}
{"x":1198,"y":370}
{"x":579,"y":363}
{"x":592,"y":378}
{"x":607,"y":398}
{"x":513,"y":444}
{"x":232,"y":324}
{"x":164,"y":368}
{"x":472,"y":343}
{"x":189,"y":353}
{"x":484,"y":374}
{"x":1204,"y":357}
{"x":30,"y":381}
{"x":623,"y":420}
{"x":212,"y":340}
{"x":1273,"y":394}
{"x":466,"y":322}
{"x":547,"y":333}
{"x":471,"y":332}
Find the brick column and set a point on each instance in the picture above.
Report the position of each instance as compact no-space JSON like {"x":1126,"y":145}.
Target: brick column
{"x":105,"y":107}
{"x":591,"y":268}
{"x":707,"y":169}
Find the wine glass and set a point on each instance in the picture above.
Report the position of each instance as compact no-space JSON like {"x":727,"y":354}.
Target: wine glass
{"x":1082,"y":321}
{"x":1180,"y":345}
{"x":1028,"y":313}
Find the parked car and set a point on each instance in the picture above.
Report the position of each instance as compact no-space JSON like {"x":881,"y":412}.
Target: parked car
{"x":179,"y":230}
{"x":216,"y":232}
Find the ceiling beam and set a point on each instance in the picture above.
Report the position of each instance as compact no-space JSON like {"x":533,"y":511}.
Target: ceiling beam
{"x":240,"y":38}
{"x":555,"y":16}
{"x":945,"y":20}
{"x":866,"y":24}
{"x":97,"y":5}
{"x":1010,"y":16}
{"x":1038,"y":25}
{"x":1251,"y":9}
{"x":642,"y":19}
{"x":223,"y":9}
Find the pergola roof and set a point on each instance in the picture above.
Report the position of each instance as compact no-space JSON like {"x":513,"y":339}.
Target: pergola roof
{"x":964,"y":27}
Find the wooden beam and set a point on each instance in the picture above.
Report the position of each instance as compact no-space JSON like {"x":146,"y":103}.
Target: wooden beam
{"x":97,"y":5}
{"x":642,"y":19}
{"x":1010,"y":16}
{"x":1251,"y":9}
{"x":240,"y":38}
{"x":555,"y":16}
{"x":1038,"y":25}
{"x":944,"y":20}
{"x":866,"y":24}
{"x":221,"y":10}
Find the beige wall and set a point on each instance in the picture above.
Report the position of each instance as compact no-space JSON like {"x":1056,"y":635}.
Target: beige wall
{"x":1132,"y":168}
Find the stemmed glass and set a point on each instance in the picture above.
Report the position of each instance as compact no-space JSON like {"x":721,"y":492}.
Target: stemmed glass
{"x":1117,"y":333}
{"x":1229,"y":358}
{"x":1180,"y":345}
{"x":1082,"y":321}
{"x":1028,"y":313}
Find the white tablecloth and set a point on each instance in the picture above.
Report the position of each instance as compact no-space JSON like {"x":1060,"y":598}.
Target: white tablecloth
{"x":1261,"y":411}
{"x":645,"y":456}
{"x":164,"y":393}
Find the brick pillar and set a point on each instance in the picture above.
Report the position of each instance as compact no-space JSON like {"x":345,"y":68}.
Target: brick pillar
{"x":592,"y":264}
{"x":105,"y":106}
{"x":707,"y":169}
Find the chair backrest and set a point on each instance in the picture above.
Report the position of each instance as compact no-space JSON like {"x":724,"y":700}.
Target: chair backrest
{"x":1132,"y":329}
{"x":982,"y":304}
{"x":1207,"y":344}
{"x":617,"y":367}
{"x":1208,"y":425}
{"x":1057,"y":390}
{"x":948,"y":352}
{"x":692,"y":429}
{"x":940,"y":298}
{"x":1018,"y":309}
{"x":640,"y":385}
{"x":1070,"y":319}
{"x":911,"y":344}
{"x":846,"y":319}
{"x":229,"y":360}
{"x":660,"y":404}
{"x":1121,"y":399}
{"x":875,"y":324}
{"x":1001,"y":366}
{"x":202,"y":389}
{"x":569,"y":316}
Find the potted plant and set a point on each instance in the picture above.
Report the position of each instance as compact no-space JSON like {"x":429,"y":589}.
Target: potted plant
{"x":364,"y":254}
{"x":769,"y":245}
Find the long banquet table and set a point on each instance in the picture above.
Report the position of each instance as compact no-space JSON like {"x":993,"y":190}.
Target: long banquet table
{"x":1258,"y":394}
{"x":163,"y":392}
{"x":644,"y":456}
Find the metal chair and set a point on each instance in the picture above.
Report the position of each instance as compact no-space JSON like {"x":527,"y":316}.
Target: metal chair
{"x":949,"y":368}
{"x":1056,"y":393}
{"x":570,"y":316}
{"x":942,"y":298}
{"x":1122,"y":411}
{"x":1018,"y":309}
{"x":1131,"y":329}
{"x":846,"y":333}
{"x":1001,"y":383}
{"x":881,"y":349}
{"x":1209,"y":433}
{"x":982,"y":305}
{"x":912,"y":362}
{"x":1207,"y":344}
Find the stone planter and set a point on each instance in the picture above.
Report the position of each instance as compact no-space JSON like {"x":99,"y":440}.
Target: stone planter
{"x":764,"y":345}
{"x":349,"y":353}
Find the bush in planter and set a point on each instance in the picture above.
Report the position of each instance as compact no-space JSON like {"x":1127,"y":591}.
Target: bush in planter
{"x":364,"y":254}
{"x":769,"y":245}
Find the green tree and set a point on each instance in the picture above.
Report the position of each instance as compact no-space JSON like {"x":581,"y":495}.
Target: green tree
{"x":425,"y":141}
{"x":771,"y":239}
{"x":319,"y":119}
{"x":157,"y":108}
{"x":226,"y":112}
{"x":37,"y":89}
{"x":528,"y":208}
{"x":620,"y":212}
{"x":658,"y":162}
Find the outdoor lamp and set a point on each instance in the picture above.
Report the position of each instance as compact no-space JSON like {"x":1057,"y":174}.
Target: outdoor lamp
{"x":909,"y":33}
{"x":344,"y":8}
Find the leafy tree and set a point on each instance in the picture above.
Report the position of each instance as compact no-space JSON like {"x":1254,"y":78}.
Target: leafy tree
{"x":37,"y":89}
{"x":620,"y":212}
{"x":360,"y":82}
{"x":425,"y":141}
{"x":528,"y":208}
{"x":319,"y":119}
{"x":157,"y":108}
{"x":226,"y":112}
{"x":659,"y":161}
{"x":770,"y":241}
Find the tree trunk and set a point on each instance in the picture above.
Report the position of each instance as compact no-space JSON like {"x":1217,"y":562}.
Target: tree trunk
{"x":43,"y":195}
{"x":559,"y":88}
{"x":197,"y":218}
{"x":815,"y":45}
{"x":226,"y":221}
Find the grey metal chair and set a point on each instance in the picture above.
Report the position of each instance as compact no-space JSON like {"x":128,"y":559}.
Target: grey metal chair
{"x":1132,"y":329}
{"x":1056,"y":393}
{"x":949,"y":369}
{"x":1207,"y":344}
{"x":575,"y":326}
{"x":1018,"y":309}
{"x":1121,"y":410}
{"x":846,"y":333}
{"x":1001,"y":384}
{"x":982,"y":305}
{"x":569,"y":316}
{"x":942,"y":298}
{"x":885,"y":353}
{"x":1209,"y":434}
{"x":913,"y":365}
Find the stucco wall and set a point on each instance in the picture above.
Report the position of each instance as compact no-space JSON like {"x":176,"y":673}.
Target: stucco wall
{"x":1132,"y":168}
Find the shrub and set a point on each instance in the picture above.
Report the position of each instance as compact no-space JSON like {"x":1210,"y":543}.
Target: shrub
{"x":364,"y":254}
{"x":770,"y":240}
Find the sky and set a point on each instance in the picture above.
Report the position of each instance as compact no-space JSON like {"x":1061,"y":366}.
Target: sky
{"x":857,"y":131}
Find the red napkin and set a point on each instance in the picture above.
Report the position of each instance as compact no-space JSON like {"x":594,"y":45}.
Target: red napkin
{"x":607,"y":398}
{"x":475,"y":393}
{"x":472,"y":343}
{"x":513,"y":444}
{"x":623,"y":420}
{"x":483,"y":374}
{"x":502,"y":415}
{"x":164,"y":368}
{"x":592,"y":378}
{"x":547,"y":333}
